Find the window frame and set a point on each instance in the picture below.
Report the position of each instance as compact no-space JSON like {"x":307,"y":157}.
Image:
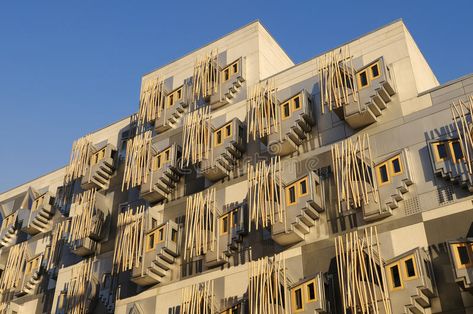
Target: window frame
{"x":452,"y":151}
{"x":293,"y":299}
{"x":358,"y":79}
{"x":231,"y":70}
{"x":163,"y":156}
{"x":223,"y":133}
{"x":456,"y":254}
{"x":377,"y":63}
{"x":389,"y":169}
{"x":297,"y":190}
{"x":175,"y":95}
{"x":36,"y":203}
{"x":390,"y":276}
{"x":222,"y":225}
{"x":416,"y":269}
{"x":306,"y":285}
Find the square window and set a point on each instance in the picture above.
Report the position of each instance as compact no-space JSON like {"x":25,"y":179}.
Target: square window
{"x":311,"y":291}
{"x":395,"y":276}
{"x":457,"y":151}
{"x":383,"y":174}
{"x":363,"y":79}
{"x":374,"y":71}
{"x":396,"y":165}
{"x":410,"y":267}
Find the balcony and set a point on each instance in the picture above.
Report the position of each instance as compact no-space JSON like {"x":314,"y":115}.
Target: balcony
{"x":394,"y":178}
{"x":32,"y":276}
{"x":449,"y":162}
{"x":175,"y":106}
{"x":88,"y":245}
{"x":296,"y":123}
{"x":410,"y":281}
{"x":228,"y":147}
{"x":461,"y":257}
{"x":161,"y":249}
{"x":100,"y":169}
{"x":41,"y":214}
{"x":232,"y":227}
{"x":308,"y":295}
{"x":232,"y":77}
{"x":303,"y":204}
{"x":9,"y":230}
{"x":374,"y":92}
{"x":164,"y":175}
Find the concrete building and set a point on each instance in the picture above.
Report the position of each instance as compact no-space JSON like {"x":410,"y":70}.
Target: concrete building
{"x":246,"y":183}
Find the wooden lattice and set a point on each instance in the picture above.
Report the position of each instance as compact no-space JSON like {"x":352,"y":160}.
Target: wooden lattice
{"x":196,"y":136}
{"x":354,"y":174}
{"x":79,"y":288}
{"x":361,"y":275}
{"x":337,"y":78}
{"x":206,"y":78}
{"x":265,"y":193}
{"x":199,"y":299}
{"x":462,"y":118}
{"x":80,"y":155}
{"x":81,"y":223}
{"x":263,"y":113}
{"x":138,"y":160}
{"x":152,"y":99}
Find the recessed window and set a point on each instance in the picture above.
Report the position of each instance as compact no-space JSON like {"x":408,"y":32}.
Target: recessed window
{"x":396,"y":165}
{"x":441,"y":151}
{"x":235,"y":68}
{"x":218,"y":138}
{"x":410,"y":267}
{"x":292,"y":194}
{"x":374,"y":71}
{"x":230,"y":70}
{"x":395,"y":276}
{"x":154,"y":223}
{"x":235,"y":218}
{"x":161,"y":235}
{"x":311,"y":291}
{"x":286,"y":112}
{"x":390,"y":168}
{"x":226,"y":74}
{"x":222,"y":133}
{"x":224,"y":225}
{"x":363,"y":79}
{"x":173,"y":235}
{"x":297,"y":103}
{"x":383,"y":173}
{"x":463,"y":255}
{"x":303,"y":187}
{"x":451,"y":149}
{"x":457,"y":150}
{"x":298,"y":299}
{"x":150,"y":242}
{"x":161,"y":159}
{"x":174,"y":96}
{"x":296,"y":190}
{"x":228,"y":130}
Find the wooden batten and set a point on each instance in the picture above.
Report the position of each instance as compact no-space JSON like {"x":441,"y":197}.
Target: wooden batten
{"x":81,"y":222}
{"x":77,"y":296}
{"x":152,"y":99}
{"x":361,"y":275}
{"x":129,"y":245}
{"x":201,"y":224}
{"x":196,"y":136}
{"x":80,"y":155}
{"x":354,"y":174}
{"x":137,"y":161}
{"x":262,"y":110}
{"x":335,"y":70}
{"x":53,"y":252}
{"x":199,"y":299}
{"x":268,"y":286}
{"x":13,"y":273}
{"x":462,"y":118}
{"x":206,"y":78}
{"x":265,"y":193}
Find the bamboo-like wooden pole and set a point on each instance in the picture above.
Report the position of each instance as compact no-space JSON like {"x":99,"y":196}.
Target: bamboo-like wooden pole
{"x":337,"y":79}
{"x":77,"y":296}
{"x":462,"y":118}
{"x":199,"y":298}
{"x":137,"y":161}
{"x":206,"y":78}
{"x":152,"y":99}
{"x":196,"y":136}
{"x":358,"y":260}
{"x":80,"y":155}
{"x":81,"y":223}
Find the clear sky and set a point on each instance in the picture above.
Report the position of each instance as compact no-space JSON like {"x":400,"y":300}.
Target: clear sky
{"x":70,"y":67}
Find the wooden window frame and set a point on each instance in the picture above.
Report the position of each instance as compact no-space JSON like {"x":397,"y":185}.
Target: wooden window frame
{"x":293,"y":299}
{"x":378,"y":173}
{"x":448,"y":144}
{"x":288,"y":194}
{"x":398,"y":157}
{"x":306,"y":285}
{"x":358,"y":79}
{"x":176,"y":95}
{"x":223,"y":132}
{"x":416,"y":269}
{"x":389,"y":169}
{"x":163,"y":156}
{"x":231,"y":70}
{"x":222,"y":224}
{"x":293,"y":103}
{"x":283,"y":114}
{"x":452,"y":151}
{"x":297,"y":190}
{"x":436,"y":152}
{"x":97,"y":156}
{"x":390,"y":278}
{"x":456,"y":254}
{"x":150,"y":247}
{"x":377,"y":63}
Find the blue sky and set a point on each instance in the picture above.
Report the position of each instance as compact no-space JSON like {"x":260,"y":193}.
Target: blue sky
{"x":70,"y":67}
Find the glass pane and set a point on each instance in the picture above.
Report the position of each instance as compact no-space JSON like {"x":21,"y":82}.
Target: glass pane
{"x":395,"y":276}
{"x":383,"y":173}
{"x":292,"y":194}
{"x":297,"y":103}
{"x":463,"y":255}
{"x":228,"y":130}
{"x":303,"y":187}
{"x":363,"y":79}
{"x":286,"y":112}
{"x":311,"y":291}
{"x":457,"y":150}
{"x":298,"y":298}
{"x":374,"y":70}
{"x":396,"y":165}
{"x":411,"y":271}
{"x":441,"y":151}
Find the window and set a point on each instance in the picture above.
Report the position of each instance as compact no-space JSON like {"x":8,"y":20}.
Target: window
{"x":230,"y":70}
{"x":296,"y":190}
{"x":395,"y":277}
{"x":222,"y":133}
{"x":98,"y":156}
{"x":451,"y":149}
{"x":290,"y":106}
{"x":161,"y":234}
{"x":224,"y":223}
{"x":235,"y":218}
{"x":154,"y":237}
{"x":32,"y":265}
{"x":363,"y":79}
{"x":154,"y":223}
{"x":463,"y":255}
{"x":410,"y":268}
{"x":297,"y":300}
{"x":173,"y":235}
{"x":310,"y":287}
{"x":161,"y":159}
{"x":173,"y":97}
{"x":150,"y":242}
{"x":37,"y":202}
{"x":390,"y":168}
{"x":374,"y":71}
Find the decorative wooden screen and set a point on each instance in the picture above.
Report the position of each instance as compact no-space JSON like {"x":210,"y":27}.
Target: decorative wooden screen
{"x":152,"y":98}
{"x":199,"y":299}
{"x":138,"y":160}
{"x":206,"y":78}
{"x":361,"y":276}
{"x":81,"y":222}
{"x":78,"y":291}
{"x":80,"y":155}
{"x":196,"y":136}
{"x":462,"y":118}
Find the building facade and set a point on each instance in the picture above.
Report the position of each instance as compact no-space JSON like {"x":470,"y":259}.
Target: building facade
{"x":246,"y":183}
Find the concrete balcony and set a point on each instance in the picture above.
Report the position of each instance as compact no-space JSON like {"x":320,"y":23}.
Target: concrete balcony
{"x":232,"y":227}
{"x":461,"y":258}
{"x":32,"y":276}
{"x":303,"y":204}
{"x":176,"y":105}
{"x":41,"y":214}
{"x":9,"y":230}
{"x":449,"y":163}
{"x":228,"y":147}
{"x":164,"y":175}
{"x":394,"y":177}
{"x":375,"y":91}
{"x":100,"y":168}
{"x":296,"y":123}
{"x":162,"y":247}
{"x":232,"y":77}
{"x":410,"y":282}
{"x":309,"y":295}
{"x":89,"y":244}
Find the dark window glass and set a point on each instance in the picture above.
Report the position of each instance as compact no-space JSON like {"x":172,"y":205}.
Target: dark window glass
{"x":363,"y":79}
{"x":151,"y":241}
{"x":457,"y":150}
{"x":303,"y":186}
{"x":298,"y":299}
{"x":226,"y":74}
{"x":383,"y":172}
{"x":173,"y":235}
{"x":463,"y":254}
{"x":228,"y":130}
{"x":286,"y":110}
{"x":235,"y":68}
{"x":311,"y":291}
{"x":161,"y":234}
{"x":154,"y":223}
{"x":297,"y":103}
{"x":441,"y":151}
{"x":411,"y":271}
{"x":219,"y":137}
{"x":395,"y":276}
{"x":396,"y":165}
{"x":292,"y":194}
{"x":374,"y":70}
{"x":225,"y":224}
{"x":167,"y":155}
{"x":171,"y":100}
